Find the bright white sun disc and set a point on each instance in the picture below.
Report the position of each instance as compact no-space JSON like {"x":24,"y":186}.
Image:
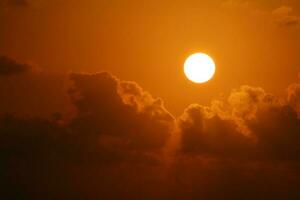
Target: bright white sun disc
{"x":199,"y":68}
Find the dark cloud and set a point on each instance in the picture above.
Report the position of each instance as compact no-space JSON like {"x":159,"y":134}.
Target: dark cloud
{"x":46,"y":159}
{"x":120,"y":142}
{"x":273,"y":122}
{"x":294,"y":97}
{"x":9,"y":66}
{"x":207,"y":132}
{"x":115,"y":114}
{"x":277,"y":129}
{"x":33,"y":93}
{"x":110,"y":107}
{"x":18,"y":3}
{"x":116,"y":138}
{"x":196,"y":177}
{"x":230,"y":148}
{"x":252,"y":123}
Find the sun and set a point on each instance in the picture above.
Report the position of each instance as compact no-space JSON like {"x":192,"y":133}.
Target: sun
{"x":199,"y":68}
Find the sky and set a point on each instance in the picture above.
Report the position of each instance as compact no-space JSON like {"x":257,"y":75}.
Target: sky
{"x":94,"y":103}
{"x":147,"y":42}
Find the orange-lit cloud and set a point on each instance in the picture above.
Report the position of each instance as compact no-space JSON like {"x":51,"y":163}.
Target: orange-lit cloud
{"x":116,"y":144}
{"x":112,"y":110}
{"x":294,"y":96}
{"x":284,"y":16}
{"x":9,"y":66}
{"x":118,"y":131}
{"x":271,"y":125}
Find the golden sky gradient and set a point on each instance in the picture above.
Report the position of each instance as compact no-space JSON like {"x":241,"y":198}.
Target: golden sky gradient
{"x":255,"y":43}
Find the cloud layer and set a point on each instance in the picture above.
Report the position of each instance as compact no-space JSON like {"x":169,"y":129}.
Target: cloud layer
{"x":18,"y":3}
{"x":252,"y":124}
{"x":118,"y":141}
{"x":284,"y":16}
{"x":9,"y":66}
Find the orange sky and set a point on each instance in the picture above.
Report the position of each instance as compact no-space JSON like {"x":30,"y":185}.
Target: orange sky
{"x":148,"y":41}
{"x":68,"y":130}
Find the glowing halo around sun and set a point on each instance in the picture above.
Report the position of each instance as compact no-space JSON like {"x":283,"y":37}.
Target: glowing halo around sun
{"x":199,"y":68}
